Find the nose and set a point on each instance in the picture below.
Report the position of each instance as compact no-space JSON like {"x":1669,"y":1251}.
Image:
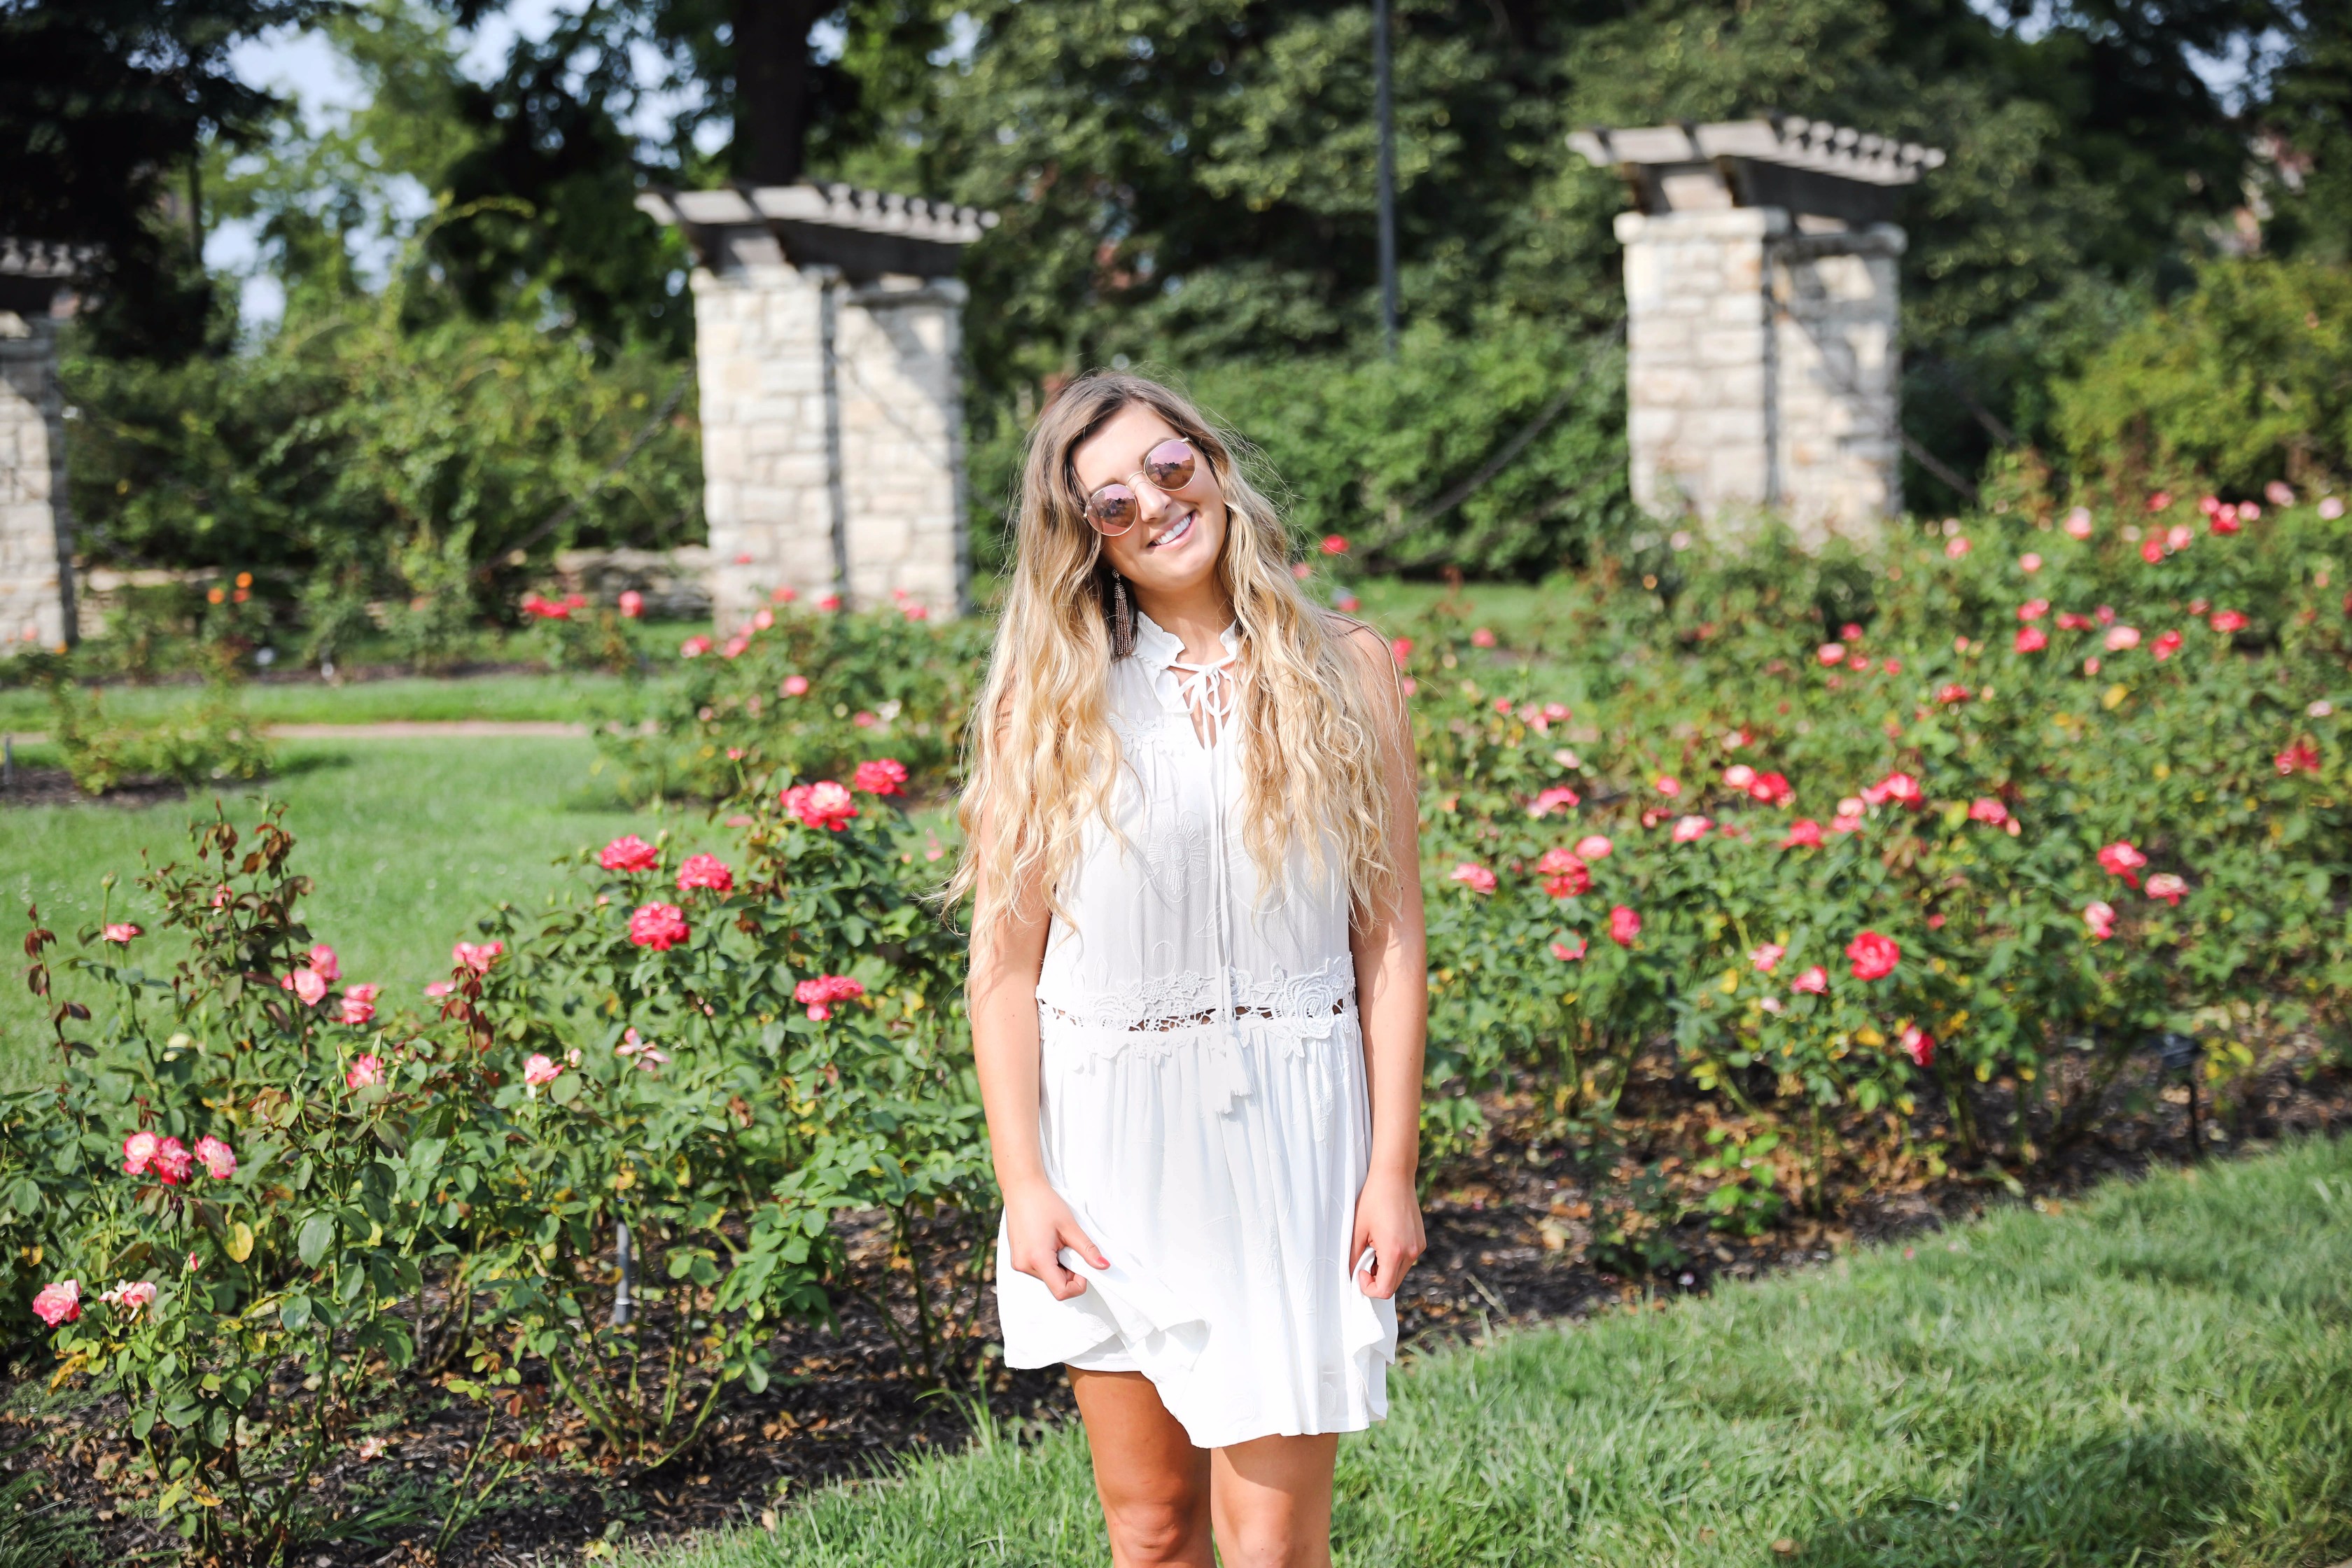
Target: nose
{"x":1151,"y":502}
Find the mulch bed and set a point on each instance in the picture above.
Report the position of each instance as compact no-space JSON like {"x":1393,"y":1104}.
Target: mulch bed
{"x":54,"y":786}
{"x":1511,"y":1241}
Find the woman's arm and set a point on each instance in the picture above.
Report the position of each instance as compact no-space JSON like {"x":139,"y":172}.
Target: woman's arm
{"x":1002,"y":995}
{"x":1391,"y":947}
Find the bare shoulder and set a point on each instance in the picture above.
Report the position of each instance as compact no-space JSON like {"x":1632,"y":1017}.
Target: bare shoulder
{"x":1358,"y":638}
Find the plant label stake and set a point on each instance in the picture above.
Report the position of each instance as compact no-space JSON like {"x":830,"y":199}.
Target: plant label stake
{"x":621,"y":1255}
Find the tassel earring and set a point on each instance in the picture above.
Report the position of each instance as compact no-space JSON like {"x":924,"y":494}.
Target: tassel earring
{"x":1122,"y":619}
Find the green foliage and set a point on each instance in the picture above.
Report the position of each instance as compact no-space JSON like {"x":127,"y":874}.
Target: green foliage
{"x":213,"y":741}
{"x":810,"y":693}
{"x":2246,"y":380}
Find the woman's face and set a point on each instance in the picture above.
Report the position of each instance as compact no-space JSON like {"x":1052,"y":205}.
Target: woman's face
{"x":1174,"y":545}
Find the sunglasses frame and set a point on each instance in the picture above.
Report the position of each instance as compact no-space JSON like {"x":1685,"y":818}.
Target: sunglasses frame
{"x":1142,"y":472}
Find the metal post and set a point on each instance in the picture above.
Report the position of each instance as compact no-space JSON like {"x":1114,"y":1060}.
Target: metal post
{"x":835,"y":485}
{"x":628,"y":1268}
{"x":1385,"y":101}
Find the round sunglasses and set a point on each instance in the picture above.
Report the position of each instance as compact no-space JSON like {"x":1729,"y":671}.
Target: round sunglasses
{"x":1115,"y":508}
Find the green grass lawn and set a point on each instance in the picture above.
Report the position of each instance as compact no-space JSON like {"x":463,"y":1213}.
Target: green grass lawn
{"x":409,"y":841}
{"x":2161,"y":1374}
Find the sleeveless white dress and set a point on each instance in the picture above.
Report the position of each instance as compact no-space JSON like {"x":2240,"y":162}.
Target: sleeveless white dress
{"x":1202,"y":1102}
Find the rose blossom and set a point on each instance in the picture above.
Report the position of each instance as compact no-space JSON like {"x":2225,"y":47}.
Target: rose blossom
{"x":138,"y":1153}
{"x":2302,"y":757}
{"x":129,"y":1296}
{"x":883,"y":776}
{"x":820,"y":992}
{"x":1473,"y":876}
{"x":121,"y":932}
{"x":657,"y":926}
{"x":173,"y":1164}
{"x":1401,"y":650}
{"x":1815,"y":981}
{"x":1559,"y":797}
{"x":1900,"y":788}
{"x":1571,"y":950}
{"x":1957,"y":546}
{"x":821,"y":805}
{"x":1334,"y":544}
{"x":2166,"y":644}
{"x":218,"y":1158}
{"x":1739,"y":775}
{"x":2033,"y":609}
{"x":705,"y":871}
{"x":2078,"y":522}
{"x":2121,"y":859}
{"x":538,"y":1071}
{"x":2028,"y":563}
{"x":694,"y":648}
{"x":1918,"y":1044}
{"x":1984,"y":808}
{"x":477,"y":956}
{"x":2099,"y":920}
{"x":364,"y":1070}
{"x":2121,"y":639}
{"x":1766,"y":957}
{"x":2166,"y":886}
{"x":2228,"y":621}
{"x":1803,"y":834}
{"x":359,"y":1004}
{"x":324,"y":964}
{"x":1594,"y":846}
{"x":794,"y":686}
{"x":59,"y":1303}
{"x":306,"y":984}
{"x":633,"y":605}
{"x":1831,"y":653}
{"x":1669,"y":785}
{"x":1951,"y":693}
{"x":1624,"y":925}
{"x":1564,"y":874}
{"x":2331,"y":507}
{"x":628,"y":853}
{"x":1482,"y":638}
{"x":1691,"y":829}
{"x":1874,"y":956}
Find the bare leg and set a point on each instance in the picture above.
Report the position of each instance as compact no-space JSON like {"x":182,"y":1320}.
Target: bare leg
{"x":1272,"y":1501}
{"x":1153,"y":1483}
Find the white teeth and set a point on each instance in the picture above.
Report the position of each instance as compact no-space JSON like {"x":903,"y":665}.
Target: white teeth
{"x":1183,"y":527}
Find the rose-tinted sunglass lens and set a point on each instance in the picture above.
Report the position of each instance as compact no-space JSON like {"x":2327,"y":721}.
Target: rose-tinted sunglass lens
{"x":1168,"y":466}
{"x":1113,"y":510}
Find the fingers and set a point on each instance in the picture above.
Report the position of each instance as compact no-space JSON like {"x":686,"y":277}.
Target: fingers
{"x":1381,"y":1278}
{"x":1077,"y":1241}
{"x":1048,"y":1271}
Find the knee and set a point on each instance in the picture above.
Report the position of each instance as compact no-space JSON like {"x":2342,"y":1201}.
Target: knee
{"x":1147,"y":1531}
{"x":1269,"y":1541}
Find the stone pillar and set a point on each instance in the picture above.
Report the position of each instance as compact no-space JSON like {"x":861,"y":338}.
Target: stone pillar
{"x":828,"y":341}
{"x":1762,"y":297}
{"x":35,"y":535}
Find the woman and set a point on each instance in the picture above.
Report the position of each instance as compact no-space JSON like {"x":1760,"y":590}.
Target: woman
{"x":1197,"y":985}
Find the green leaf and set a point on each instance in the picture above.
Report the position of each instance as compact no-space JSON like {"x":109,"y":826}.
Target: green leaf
{"x":318,"y":1234}
{"x":295,"y":1313}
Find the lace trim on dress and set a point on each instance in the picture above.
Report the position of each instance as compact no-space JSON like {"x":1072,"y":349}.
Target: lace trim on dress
{"x":1191,"y":999}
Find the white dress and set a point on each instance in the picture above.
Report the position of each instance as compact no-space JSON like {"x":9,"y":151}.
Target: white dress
{"x":1203,"y":1099}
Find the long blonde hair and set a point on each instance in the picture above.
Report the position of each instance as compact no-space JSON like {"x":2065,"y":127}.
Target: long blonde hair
{"x":1042,"y":757}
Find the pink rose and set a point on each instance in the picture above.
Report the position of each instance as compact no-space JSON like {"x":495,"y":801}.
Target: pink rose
{"x":1951,"y":693}
{"x":359,"y":1005}
{"x":477,"y":956}
{"x":306,"y":984}
{"x":1739,"y":775}
{"x":1831,"y":653}
{"x":657,"y":926}
{"x":139,"y":1153}
{"x":1624,"y":925}
{"x":130,"y":1297}
{"x":1559,"y":797}
{"x":628,"y":853}
{"x":1334,"y":544}
{"x":794,"y":686}
{"x":1815,"y":981}
{"x":2121,"y":859}
{"x":2028,"y":563}
{"x":1918,"y":1044}
{"x":1766,"y":958}
{"x":1482,"y":638}
{"x":694,"y":647}
{"x":1473,"y":876}
{"x":2099,"y":920}
{"x":2029,"y":639}
{"x":1691,"y":829}
{"x":2228,"y":621}
{"x":324,"y":964}
{"x":2078,"y":522}
{"x":1803,"y":834}
{"x":633,"y":604}
{"x":2033,"y":609}
{"x":820,"y":992}
{"x":1571,"y":950}
{"x":2302,"y":757}
{"x":1957,"y":546}
{"x":1669,"y":785}
{"x":218,"y":1158}
{"x":538,"y":1071}
{"x":1900,"y":788}
{"x":2166,"y":886}
{"x":1984,"y":808}
{"x":59,"y":1303}
{"x":821,"y":805}
{"x":1401,"y":650}
{"x":173,"y":1164}
{"x":121,"y":933}
{"x":2122,"y":639}
{"x":2166,"y":644}
{"x":364,"y":1070}
{"x":1874,"y":956}
{"x":1594,"y":846}
{"x":705,"y":871}
{"x":883,"y":776}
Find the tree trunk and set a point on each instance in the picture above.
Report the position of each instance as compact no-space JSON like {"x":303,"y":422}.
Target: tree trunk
{"x":772,"y":88}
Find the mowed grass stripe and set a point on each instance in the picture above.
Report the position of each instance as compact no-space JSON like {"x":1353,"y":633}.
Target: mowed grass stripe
{"x":2159,"y":1375}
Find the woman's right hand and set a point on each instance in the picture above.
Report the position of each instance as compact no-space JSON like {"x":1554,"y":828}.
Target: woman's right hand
{"x":1038,"y":1224}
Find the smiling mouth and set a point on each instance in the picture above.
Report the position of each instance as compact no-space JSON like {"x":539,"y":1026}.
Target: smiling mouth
{"x":1175,"y":533}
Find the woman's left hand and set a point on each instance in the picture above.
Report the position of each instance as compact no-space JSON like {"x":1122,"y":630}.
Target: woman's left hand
{"x":1388,"y":1221}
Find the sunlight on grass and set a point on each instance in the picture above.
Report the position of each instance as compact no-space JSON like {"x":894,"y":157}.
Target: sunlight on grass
{"x":2159,"y":1375}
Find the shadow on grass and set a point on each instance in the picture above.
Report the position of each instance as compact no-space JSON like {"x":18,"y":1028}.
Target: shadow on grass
{"x":2135,"y":1495}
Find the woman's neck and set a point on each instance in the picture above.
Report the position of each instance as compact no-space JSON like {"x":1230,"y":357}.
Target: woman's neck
{"x":1197,"y":618}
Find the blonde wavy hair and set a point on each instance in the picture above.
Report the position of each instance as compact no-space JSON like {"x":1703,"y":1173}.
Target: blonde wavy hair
{"x":1041,"y":756}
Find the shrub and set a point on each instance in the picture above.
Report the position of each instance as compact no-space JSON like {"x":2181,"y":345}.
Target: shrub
{"x":213,"y":741}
